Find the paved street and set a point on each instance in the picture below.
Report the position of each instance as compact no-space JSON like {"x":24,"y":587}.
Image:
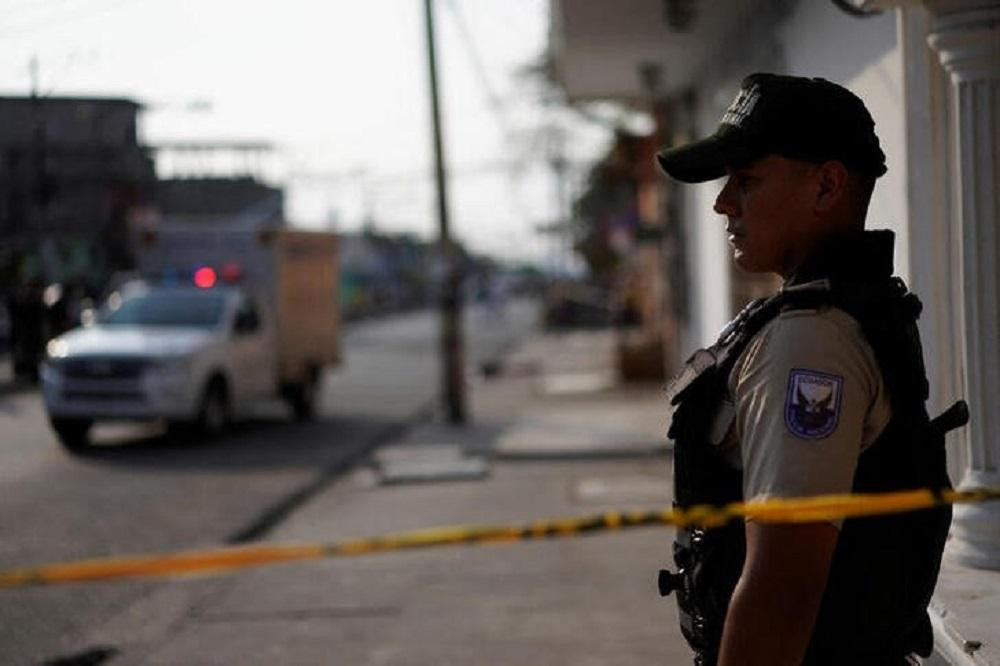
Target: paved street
{"x":144,"y":493}
{"x":555,"y":442}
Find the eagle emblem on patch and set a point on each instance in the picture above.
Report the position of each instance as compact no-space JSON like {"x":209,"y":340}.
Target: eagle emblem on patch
{"x":812,"y":406}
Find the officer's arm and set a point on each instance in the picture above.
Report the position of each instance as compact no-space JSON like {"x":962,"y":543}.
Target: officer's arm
{"x":774,"y":607}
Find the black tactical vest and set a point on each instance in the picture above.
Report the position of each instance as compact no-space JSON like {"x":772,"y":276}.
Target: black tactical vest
{"x":874,"y":609}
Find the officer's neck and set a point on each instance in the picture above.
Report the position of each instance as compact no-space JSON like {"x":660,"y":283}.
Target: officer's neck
{"x":855,"y":254}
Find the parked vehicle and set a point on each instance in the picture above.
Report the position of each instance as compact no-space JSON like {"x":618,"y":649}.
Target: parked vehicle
{"x":219,"y":319}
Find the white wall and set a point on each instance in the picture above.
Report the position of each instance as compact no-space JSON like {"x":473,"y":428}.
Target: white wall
{"x":711,"y":257}
{"x":709,"y":263}
{"x":864,"y":56}
{"x":750,"y":48}
{"x":883,"y":60}
{"x":887,"y":62}
{"x":935,"y":235}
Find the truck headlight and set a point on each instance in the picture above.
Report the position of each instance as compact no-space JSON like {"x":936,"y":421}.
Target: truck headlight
{"x":56,"y":350}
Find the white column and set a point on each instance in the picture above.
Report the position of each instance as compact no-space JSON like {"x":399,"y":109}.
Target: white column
{"x":967,"y":40}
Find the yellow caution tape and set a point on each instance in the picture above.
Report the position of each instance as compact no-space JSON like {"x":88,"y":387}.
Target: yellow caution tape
{"x":791,"y":510}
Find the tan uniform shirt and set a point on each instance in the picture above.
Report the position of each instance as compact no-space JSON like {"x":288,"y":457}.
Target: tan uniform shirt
{"x":806,"y":397}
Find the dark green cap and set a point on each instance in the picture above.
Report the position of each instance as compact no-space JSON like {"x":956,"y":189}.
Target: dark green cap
{"x":813,"y":120}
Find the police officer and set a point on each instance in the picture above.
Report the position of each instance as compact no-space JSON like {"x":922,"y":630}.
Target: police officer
{"x":818,"y":390}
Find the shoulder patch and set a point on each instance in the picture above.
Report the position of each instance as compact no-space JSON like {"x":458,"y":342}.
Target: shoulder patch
{"x":812,"y":405}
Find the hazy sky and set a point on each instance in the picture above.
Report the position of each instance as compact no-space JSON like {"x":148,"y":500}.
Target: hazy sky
{"x":339,"y":86}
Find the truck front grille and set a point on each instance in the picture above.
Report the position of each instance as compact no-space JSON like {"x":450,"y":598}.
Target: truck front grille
{"x":94,"y":395}
{"x":104,"y":368}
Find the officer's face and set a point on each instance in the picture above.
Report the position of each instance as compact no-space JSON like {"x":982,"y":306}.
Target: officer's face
{"x":767,"y":209}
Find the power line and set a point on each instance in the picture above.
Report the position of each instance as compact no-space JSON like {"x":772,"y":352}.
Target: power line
{"x":494,"y":100}
{"x":96,"y":8}
{"x":404,"y":177}
{"x":17,"y":7}
{"x":495,"y":103}
{"x":520,"y":13}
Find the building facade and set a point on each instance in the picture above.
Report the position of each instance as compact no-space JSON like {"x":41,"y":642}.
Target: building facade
{"x":930,"y":74}
{"x":72,"y":176}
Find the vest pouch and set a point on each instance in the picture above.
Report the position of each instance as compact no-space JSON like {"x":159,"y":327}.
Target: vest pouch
{"x":698,"y":364}
{"x":710,"y":563}
{"x":708,"y":560}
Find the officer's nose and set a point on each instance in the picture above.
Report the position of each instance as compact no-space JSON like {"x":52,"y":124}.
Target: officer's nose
{"x":726,"y":203}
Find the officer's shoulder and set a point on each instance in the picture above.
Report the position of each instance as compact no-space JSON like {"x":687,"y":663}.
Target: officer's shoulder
{"x":824,"y":319}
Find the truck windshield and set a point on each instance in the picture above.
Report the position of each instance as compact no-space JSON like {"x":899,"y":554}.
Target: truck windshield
{"x":168,"y":307}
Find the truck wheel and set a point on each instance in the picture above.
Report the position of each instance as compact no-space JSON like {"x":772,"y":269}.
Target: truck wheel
{"x":302,"y":398}
{"x":73,"y":434}
{"x":214,"y":414}
{"x":179,"y":431}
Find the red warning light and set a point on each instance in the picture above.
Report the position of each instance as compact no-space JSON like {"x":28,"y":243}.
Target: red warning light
{"x":204,"y":277}
{"x":231,"y":273}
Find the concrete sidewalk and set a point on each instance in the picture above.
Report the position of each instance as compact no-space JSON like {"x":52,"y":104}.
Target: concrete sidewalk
{"x":553,"y":435}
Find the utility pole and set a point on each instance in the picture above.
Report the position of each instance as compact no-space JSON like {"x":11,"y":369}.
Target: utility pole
{"x":38,"y":189}
{"x":562,"y":233}
{"x":453,"y":374}
{"x":33,"y":74}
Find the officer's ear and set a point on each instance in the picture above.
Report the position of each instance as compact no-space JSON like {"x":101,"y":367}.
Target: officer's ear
{"x":831,"y":180}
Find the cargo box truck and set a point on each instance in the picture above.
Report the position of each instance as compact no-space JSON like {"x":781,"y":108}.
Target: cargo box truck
{"x":217,"y":320}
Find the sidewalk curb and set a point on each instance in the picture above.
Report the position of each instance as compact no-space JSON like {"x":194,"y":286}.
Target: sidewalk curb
{"x":949,"y":644}
{"x":274,"y":515}
{"x":596,"y":454}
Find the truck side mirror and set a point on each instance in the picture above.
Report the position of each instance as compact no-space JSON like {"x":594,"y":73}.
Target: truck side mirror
{"x":246,"y":322}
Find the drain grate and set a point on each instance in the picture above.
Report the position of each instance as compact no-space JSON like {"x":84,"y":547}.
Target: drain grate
{"x":427,"y":463}
{"x":94,"y":656}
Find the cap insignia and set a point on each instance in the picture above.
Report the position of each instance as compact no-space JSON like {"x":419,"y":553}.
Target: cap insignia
{"x":742,"y":106}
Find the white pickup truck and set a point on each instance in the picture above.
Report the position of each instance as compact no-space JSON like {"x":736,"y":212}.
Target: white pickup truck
{"x":196,"y":342}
